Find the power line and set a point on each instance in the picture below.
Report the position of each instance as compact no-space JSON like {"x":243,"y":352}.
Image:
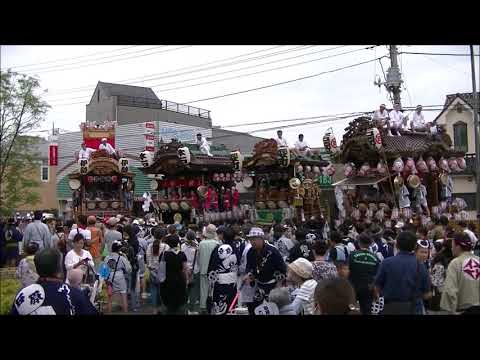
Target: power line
{"x":244,"y":68}
{"x":283,"y":82}
{"x":154,"y":77}
{"x":114,"y":60}
{"x":250,"y":74}
{"x":88,"y":87}
{"x":72,"y":58}
{"x":429,"y":53}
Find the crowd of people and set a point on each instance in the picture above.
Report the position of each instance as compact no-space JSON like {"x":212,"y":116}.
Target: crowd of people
{"x":242,"y":268}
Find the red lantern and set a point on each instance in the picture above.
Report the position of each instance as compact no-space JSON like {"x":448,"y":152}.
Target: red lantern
{"x":172,"y":183}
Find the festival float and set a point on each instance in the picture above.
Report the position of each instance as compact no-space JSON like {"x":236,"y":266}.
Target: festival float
{"x":190,"y":186}
{"x":287,"y":186}
{"x":100,"y":184}
{"x":403,"y":178}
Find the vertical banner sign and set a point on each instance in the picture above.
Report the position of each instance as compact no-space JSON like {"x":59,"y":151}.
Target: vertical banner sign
{"x":53,"y":155}
{"x":150,"y":136}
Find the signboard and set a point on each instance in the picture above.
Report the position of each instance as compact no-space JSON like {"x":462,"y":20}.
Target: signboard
{"x":53,"y":155}
{"x":150,"y":136}
{"x":266,"y":217}
{"x":324,"y":180}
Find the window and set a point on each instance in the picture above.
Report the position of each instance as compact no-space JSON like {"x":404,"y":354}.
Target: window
{"x":44,"y":171}
{"x":460,"y":138}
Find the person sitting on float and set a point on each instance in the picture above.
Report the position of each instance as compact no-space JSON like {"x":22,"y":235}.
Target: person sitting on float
{"x":281,"y":142}
{"x":396,"y":122}
{"x":418,"y":121}
{"x":85,"y":152}
{"x":203,"y":145}
{"x":104,"y":145}
{"x":380,"y":117}
{"x":302,"y":147}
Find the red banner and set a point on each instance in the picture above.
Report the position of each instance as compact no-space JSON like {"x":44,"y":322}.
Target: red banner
{"x":53,"y":155}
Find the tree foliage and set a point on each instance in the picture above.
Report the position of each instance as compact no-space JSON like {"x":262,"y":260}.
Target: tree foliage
{"x":22,"y":175}
{"x":21,"y":110}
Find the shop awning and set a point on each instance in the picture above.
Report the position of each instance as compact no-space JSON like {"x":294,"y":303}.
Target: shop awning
{"x":360,"y":181}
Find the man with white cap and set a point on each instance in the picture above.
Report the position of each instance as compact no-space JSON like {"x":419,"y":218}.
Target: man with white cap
{"x":418,"y":121}
{"x":104,"y":145}
{"x":85,"y":152}
{"x":265,"y":267}
{"x":381,"y":116}
{"x":205,"y":250}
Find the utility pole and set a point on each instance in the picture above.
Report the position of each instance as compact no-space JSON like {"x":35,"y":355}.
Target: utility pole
{"x":477,"y":131}
{"x":394,"y":78}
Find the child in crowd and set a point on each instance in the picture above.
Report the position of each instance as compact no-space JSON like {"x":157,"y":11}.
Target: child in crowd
{"x":343,"y":269}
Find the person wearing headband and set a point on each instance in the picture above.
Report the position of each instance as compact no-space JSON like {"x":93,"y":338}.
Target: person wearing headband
{"x":104,"y":145}
{"x":462,"y":284}
{"x":380,"y":116}
{"x":418,"y":121}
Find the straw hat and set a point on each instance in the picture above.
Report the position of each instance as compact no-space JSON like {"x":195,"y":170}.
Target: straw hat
{"x":302,"y":267}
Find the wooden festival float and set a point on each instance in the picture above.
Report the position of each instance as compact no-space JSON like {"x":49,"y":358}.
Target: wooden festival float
{"x":192,"y":184}
{"x":287,"y":186}
{"x":100,"y":183}
{"x":405,"y":177}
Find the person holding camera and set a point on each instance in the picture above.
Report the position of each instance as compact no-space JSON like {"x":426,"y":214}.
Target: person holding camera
{"x":116,"y":281}
{"x":78,"y":257}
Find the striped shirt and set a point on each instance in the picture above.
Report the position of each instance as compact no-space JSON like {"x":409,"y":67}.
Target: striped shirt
{"x":303,"y":301}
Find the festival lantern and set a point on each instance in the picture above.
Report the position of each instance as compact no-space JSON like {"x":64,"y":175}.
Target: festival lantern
{"x":364,"y":170}
{"x":461,"y":163}
{"x":395,"y":213}
{"x":381,"y":168}
{"x":443,"y":164}
{"x":422,"y":165}
{"x":349,"y":169}
{"x":453,"y":164}
{"x":432,"y":164}
{"x":398,"y":165}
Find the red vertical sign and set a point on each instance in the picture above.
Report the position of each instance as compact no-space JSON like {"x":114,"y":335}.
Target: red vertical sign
{"x":150,"y":136}
{"x":53,"y":155}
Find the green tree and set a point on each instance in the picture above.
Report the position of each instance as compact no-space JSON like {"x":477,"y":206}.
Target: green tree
{"x":21,"y":177}
{"x":21,"y":110}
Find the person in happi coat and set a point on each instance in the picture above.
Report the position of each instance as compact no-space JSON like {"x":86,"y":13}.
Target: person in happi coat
{"x":222,"y":276}
{"x":265,"y":267}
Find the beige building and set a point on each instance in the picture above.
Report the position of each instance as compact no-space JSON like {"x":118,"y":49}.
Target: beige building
{"x":46,"y":177}
{"x":457,"y":116}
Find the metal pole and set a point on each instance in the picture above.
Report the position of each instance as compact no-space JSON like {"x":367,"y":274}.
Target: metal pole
{"x":394,"y":79}
{"x":477,"y":131}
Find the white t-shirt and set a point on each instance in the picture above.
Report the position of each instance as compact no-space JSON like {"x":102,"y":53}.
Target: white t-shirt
{"x":418,"y":121}
{"x":189,"y":252}
{"x":299,"y":145}
{"x":396,"y":118}
{"x":380,"y":115}
{"x":304,"y":297}
{"x":110,"y":150}
{"x":85,"y":154}
{"x":281,"y":142}
{"x":87,"y":235}
{"x":73,"y":258}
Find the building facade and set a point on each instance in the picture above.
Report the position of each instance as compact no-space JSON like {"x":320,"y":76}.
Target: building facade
{"x":45,"y":175}
{"x":131,"y":107}
{"x":458,"y":119}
